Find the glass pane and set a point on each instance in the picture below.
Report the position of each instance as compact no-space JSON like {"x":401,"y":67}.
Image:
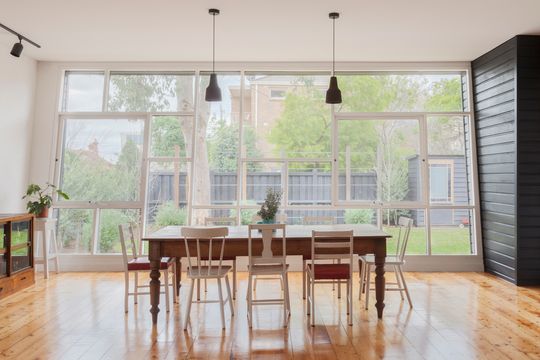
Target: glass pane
{"x":360,"y":216}
{"x":3,"y":257}
{"x":401,"y":92}
{"x":451,"y":232}
{"x":376,"y":160}
{"x":3,"y":265}
{"x":448,"y":160}
{"x":74,"y":230}
{"x":310,"y":183}
{"x":171,"y":136}
{"x":151,"y":92}
{"x":258,"y":178}
{"x":20,"y":234}
{"x":214,"y":217}
{"x":167,"y":195}
{"x":217,"y":145}
{"x":2,"y":236}
{"x":83,"y":91}
{"x":109,"y":238}
{"x":417,"y":243}
{"x":286,"y":116}
{"x":102,"y":159}
{"x":315,"y":217}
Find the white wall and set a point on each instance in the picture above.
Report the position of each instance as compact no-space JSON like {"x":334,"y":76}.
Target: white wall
{"x":17,"y":88}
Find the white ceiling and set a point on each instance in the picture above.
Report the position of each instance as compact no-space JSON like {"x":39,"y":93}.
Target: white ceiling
{"x":266,"y":30}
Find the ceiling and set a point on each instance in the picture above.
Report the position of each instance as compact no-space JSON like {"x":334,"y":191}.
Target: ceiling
{"x":266,"y":30}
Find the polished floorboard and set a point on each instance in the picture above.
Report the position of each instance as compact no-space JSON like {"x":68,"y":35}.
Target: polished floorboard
{"x":455,"y":316}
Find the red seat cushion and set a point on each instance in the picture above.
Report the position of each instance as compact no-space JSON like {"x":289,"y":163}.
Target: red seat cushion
{"x":142,"y":263}
{"x":330,"y":271}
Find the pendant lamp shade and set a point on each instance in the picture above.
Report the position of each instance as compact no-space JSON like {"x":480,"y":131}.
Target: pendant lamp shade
{"x":17,"y":49}
{"x":333,"y":94}
{"x":213,"y":92}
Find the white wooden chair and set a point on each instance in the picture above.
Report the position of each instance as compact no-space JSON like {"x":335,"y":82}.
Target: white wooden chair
{"x":367,"y":262}
{"x":220,"y":221}
{"x":316,"y":220}
{"x":266,"y":263}
{"x":329,"y":245}
{"x":280,"y":219}
{"x":134,"y":263}
{"x":203,"y":242}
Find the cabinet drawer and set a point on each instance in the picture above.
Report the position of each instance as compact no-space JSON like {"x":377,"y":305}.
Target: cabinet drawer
{"x":22,"y":280}
{"x":6,"y":287}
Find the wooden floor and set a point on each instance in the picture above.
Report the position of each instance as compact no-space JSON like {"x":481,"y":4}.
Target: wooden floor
{"x":456,"y":316}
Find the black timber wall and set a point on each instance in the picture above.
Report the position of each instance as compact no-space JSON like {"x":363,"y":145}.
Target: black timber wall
{"x":507,"y":121}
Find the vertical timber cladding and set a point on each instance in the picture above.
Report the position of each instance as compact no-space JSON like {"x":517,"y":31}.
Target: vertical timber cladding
{"x":506,"y":88}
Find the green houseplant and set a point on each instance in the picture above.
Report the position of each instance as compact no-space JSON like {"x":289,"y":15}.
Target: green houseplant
{"x":40,"y":198}
{"x":270,"y":206}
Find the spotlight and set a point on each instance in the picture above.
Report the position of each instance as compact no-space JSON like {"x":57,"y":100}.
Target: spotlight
{"x":17,"y":48}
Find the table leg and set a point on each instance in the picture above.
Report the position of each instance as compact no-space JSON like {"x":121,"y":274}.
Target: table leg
{"x":380,"y":255}
{"x":155,"y":259}
{"x":178,"y":275}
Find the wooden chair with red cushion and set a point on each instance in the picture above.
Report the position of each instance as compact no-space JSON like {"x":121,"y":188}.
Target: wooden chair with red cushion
{"x":329,"y":246}
{"x":134,"y":263}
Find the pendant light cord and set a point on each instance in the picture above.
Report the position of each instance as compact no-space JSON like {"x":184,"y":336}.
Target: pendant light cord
{"x":214,"y":43}
{"x":333,"y":46}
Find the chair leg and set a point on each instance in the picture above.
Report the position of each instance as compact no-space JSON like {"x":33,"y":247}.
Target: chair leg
{"x":126,"y":291}
{"x":338,"y":283}
{"x":167,"y":298}
{"x":249,"y":301}
{"x":349,"y":298}
{"x":287,"y":303}
{"x":405,"y":286}
{"x":136,"y":289}
{"x":398,"y":280}
{"x":188,"y":307}
{"x":304,"y":279}
{"x":221,"y":303}
{"x":312,"y":293}
{"x":255,"y":283}
{"x":229,"y":294}
{"x":334,"y":281}
{"x":198,"y":289}
{"x":308,"y":297}
{"x":362,"y":270}
{"x":234,"y":280}
{"x":175,"y":296}
{"x":368,"y":284}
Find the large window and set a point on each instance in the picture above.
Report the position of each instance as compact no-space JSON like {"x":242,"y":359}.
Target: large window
{"x":398,"y":145}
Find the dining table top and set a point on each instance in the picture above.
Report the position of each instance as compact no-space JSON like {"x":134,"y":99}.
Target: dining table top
{"x":367,"y":231}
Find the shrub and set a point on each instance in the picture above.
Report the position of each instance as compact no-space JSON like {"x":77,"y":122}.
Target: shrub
{"x":168,"y":214}
{"x":359,"y":216}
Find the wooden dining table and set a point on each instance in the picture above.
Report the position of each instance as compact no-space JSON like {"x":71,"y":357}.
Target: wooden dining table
{"x":168,"y":242}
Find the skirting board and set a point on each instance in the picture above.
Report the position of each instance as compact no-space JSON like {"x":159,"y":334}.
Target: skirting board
{"x":454,"y":263}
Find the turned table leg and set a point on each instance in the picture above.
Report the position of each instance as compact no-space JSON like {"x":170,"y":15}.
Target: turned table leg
{"x":380,"y":255}
{"x":154,"y":256}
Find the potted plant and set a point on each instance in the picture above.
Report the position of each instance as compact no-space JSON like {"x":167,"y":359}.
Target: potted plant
{"x":40,"y":199}
{"x":270,"y":206}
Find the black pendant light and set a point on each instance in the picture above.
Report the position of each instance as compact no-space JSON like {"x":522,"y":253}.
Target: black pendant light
{"x":333,"y":94}
{"x":213,"y":92}
{"x":18,"y":47}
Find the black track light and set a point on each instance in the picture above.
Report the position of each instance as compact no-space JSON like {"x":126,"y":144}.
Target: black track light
{"x":17,"y":48}
{"x":213,"y":92}
{"x":333,"y":94}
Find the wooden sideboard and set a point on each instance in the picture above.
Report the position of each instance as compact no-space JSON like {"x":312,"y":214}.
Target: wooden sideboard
{"x":16,"y":253}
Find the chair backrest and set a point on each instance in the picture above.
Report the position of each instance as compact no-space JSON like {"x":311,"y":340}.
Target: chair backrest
{"x":319,"y":220}
{"x":206,"y":242}
{"x":332,"y":245}
{"x":136,"y":233}
{"x":219,"y":221}
{"x":267,"y":256}
{"x":127,"y":243}
{"x":404,"y":224}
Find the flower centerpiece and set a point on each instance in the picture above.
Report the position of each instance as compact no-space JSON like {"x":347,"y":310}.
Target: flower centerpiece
{"x":270,"y":206}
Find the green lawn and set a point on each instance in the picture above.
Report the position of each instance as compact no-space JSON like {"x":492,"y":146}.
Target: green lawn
{"x":447,"y":240}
